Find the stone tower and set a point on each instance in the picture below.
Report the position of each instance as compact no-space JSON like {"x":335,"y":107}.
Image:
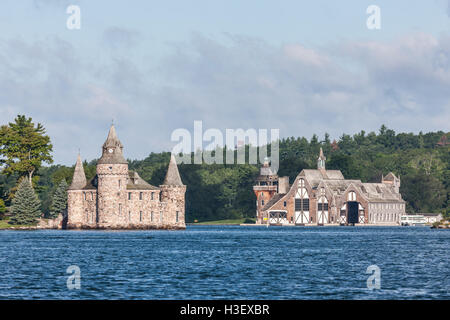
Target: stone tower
{"x":112,"y":173}
{"x":172,"y":194}
{"x":75,"y":196}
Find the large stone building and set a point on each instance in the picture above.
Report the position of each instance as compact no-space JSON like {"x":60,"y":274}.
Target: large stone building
{"x":117,"y":198}
{"x":320,"y":197}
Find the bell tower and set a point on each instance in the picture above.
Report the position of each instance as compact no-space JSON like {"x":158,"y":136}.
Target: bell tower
{"x":112,"y":173}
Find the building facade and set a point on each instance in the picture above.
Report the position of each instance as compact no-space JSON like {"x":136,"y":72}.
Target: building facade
{"x":118,"y":198}
{"x":322,"y":197}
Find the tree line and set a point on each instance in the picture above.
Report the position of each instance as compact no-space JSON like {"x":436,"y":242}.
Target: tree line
{"x":221,"y":191}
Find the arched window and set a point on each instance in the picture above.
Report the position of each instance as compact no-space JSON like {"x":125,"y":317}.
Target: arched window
{"x":351,"y":196}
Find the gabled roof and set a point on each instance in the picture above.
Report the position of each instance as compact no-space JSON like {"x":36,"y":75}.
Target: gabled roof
{"x":314,"y":176}
{"x":135,"y":182}
{"x":276,"y":197}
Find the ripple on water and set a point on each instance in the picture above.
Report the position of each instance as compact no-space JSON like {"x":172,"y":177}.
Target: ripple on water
{"x":226,"y":262}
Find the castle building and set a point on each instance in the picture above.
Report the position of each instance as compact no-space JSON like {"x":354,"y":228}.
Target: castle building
{"x":118,"y":198}
{"x":323,"y":197}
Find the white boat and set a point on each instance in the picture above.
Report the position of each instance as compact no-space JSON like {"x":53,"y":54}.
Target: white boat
{"x":413,"y":220}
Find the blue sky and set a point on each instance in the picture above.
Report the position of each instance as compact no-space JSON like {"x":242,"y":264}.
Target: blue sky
{"x":155,"y":66}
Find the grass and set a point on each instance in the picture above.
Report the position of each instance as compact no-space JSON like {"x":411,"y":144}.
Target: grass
{"x":4,"y":224}
{"x":224,"y":222}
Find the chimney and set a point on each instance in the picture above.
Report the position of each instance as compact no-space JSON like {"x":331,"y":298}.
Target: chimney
{"x":283,"y":185}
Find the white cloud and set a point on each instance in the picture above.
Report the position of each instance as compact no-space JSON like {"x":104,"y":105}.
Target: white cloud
{"x":244,"y":83}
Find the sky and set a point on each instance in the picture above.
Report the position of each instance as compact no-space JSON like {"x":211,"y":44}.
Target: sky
{"x":156,"y":66}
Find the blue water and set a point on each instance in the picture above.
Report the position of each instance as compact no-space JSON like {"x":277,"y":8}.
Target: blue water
{"x":224,"y":262}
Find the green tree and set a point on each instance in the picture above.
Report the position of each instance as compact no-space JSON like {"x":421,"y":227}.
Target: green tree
{"x":25,"y":208}
{"x":59,"y":200}
{"x":23,"y":147}
{"x":2,"y":207}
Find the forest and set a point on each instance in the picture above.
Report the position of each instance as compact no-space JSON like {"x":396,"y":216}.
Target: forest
{"x":221,"y":191}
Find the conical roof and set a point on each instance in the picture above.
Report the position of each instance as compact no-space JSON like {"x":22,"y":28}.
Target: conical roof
{"x":173,"y":176}
{"x":112,"y":140}
{"x":112,"y":149}
{"x":79,"y":178}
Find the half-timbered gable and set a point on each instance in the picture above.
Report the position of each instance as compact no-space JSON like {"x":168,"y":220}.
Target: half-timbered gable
{"x":320,"y":196}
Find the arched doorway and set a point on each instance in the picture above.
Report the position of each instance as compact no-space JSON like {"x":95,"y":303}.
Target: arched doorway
{"x":301,"y":204}
{"x":355,"y":211}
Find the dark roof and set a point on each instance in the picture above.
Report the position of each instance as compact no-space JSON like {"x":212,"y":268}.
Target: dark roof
{"x":135,"y":182}
{"x":274,"y":200}
{"x":92,"y":184}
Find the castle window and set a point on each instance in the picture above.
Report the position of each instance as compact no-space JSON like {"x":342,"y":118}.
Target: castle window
{"x":140,"y":216}
{"x":284,"y":203}
{"x":177,"y":218}
{"x":140,"y":195}
{"x":129,"y":195}
{"x":92,"y":196}
{"x":152,"y":195}
{"x":84,"y":195}
{"x":262,"y":202}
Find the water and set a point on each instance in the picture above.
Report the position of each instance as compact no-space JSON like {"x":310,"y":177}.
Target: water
{"x":224,"y":262}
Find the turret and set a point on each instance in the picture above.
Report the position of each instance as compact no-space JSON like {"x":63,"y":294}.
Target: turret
{"x":75,"y":211}
{"x":173,"y":194}
{"x":112,"y":173}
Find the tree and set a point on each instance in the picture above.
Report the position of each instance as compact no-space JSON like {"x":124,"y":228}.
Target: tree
{"x":25,"y":208}
{"x":59,"y":201}
{"x":2,"y":207}
{"x":23,"y":147}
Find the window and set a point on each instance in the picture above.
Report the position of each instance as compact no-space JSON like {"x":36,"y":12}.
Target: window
{"x":351,"y":196}
{"x":140,"y":216}
{"x":129,"y":195}
{"x":305,"y":204}
{"x":284,"y":203}
{"x":301,"y":204}
{"x":140,"y":195}
{"x":262,"y":202}
{"x":152,"y":195}
{"x":177,"y":218}
{"x":84,"y":195}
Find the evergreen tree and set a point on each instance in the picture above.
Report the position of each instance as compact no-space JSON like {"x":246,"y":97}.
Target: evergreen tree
{"x":25,"y":208}
{"x":2,"y":207}
{"x":59,"y":201}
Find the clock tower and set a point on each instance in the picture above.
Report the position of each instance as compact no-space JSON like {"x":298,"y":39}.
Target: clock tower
{"x":112,"y":173}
